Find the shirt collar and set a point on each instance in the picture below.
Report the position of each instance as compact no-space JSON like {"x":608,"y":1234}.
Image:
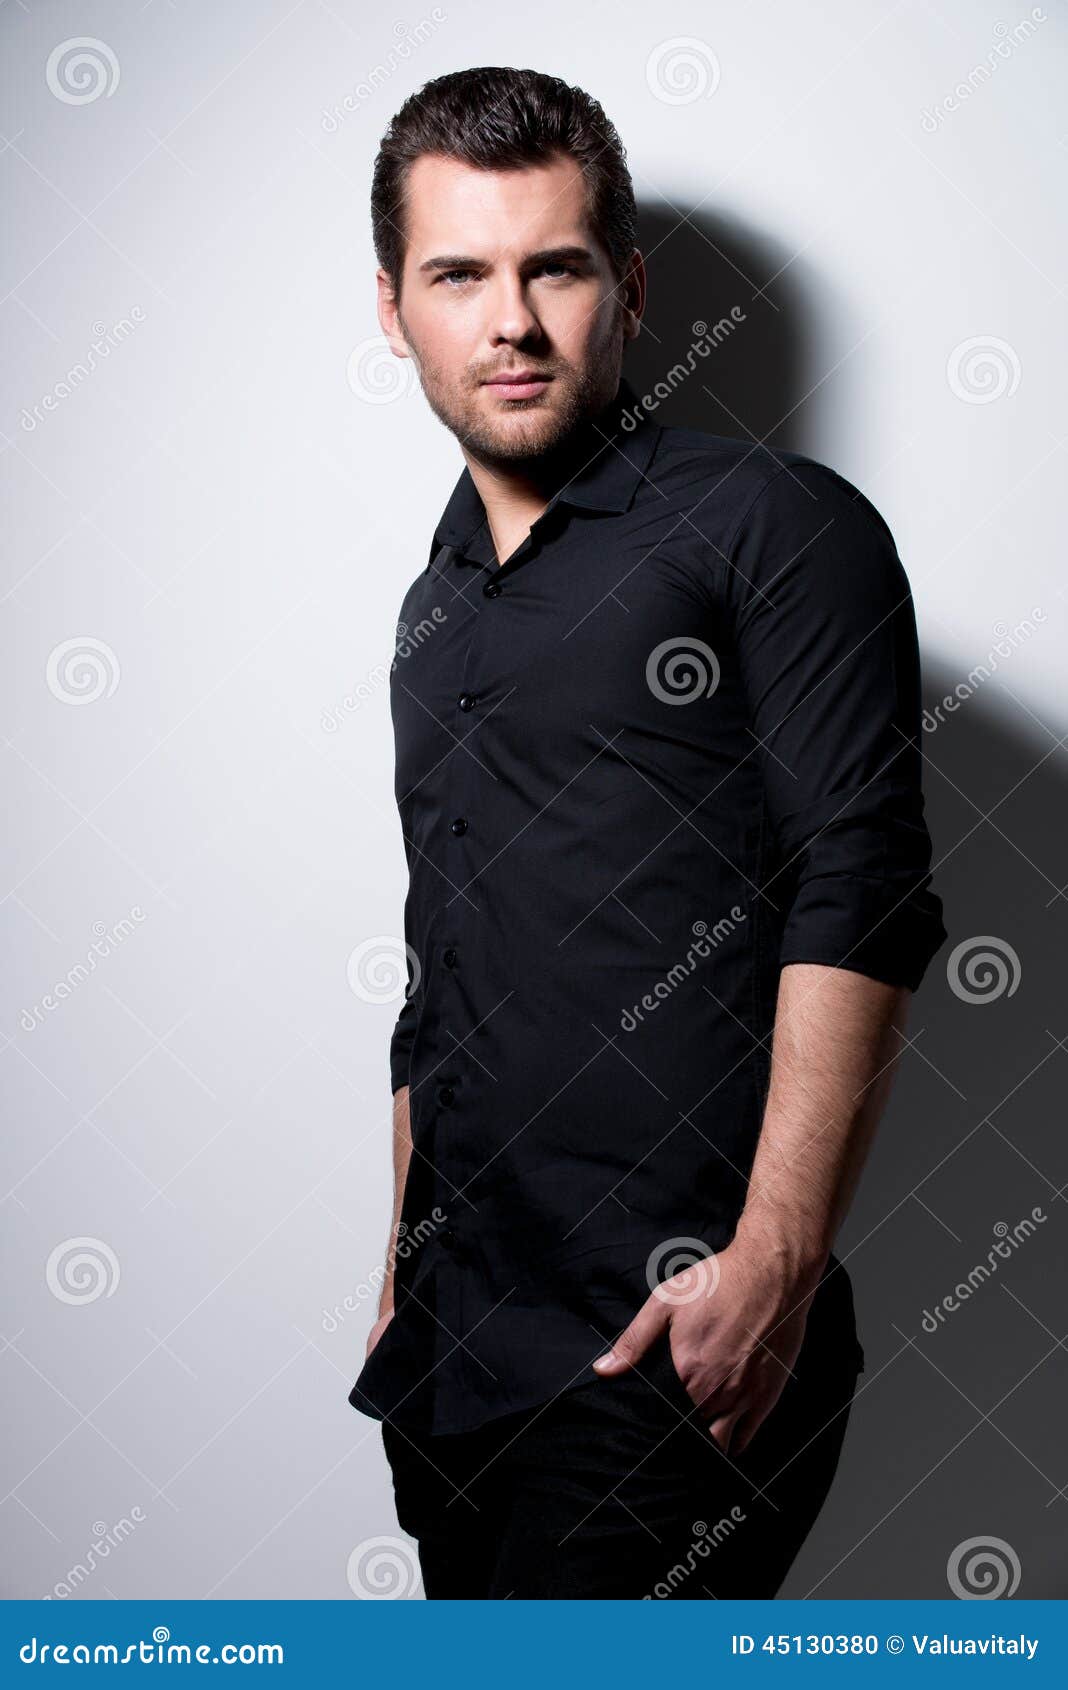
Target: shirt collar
{"x":607,"y":482}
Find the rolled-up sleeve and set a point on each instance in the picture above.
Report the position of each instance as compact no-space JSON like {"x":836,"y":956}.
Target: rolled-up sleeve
{"x":826,"y":641}
{"x":400,"y":1046}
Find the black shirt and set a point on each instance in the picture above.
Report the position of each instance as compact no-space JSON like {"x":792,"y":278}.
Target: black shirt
{"x":669,"y":745}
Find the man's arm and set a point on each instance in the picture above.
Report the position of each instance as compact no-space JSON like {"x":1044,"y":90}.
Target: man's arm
{"x":823,"y":628}
{"x":737,"y":1320}
{"x":837,"y":1038}
{"x":402,"y":1155}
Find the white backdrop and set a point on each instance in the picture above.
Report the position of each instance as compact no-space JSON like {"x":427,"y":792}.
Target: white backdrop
{"x":217,"y":489}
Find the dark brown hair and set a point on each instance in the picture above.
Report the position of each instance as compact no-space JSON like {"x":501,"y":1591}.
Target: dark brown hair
{"x":497,"y":118}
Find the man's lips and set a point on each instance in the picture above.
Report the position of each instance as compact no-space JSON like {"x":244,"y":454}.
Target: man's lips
{"x":523,"y":384}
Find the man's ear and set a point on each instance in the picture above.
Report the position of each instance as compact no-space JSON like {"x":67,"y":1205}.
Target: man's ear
{"x":389,"y":316}
{"x":632,"y":295}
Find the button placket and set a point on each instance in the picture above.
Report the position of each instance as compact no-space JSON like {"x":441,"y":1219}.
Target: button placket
{"x":456,"y":1298}
{"x":449,"y":1092}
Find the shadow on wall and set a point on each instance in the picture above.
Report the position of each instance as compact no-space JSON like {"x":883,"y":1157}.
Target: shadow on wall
{"x":757,"y":370}
{"x":958,"y":1282}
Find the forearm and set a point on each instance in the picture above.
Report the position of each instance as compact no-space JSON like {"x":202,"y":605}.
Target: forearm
{"x":837,"y":1037}
{"x":402,"y":1154}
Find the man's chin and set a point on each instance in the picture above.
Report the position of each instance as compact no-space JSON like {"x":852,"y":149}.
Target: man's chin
{"x":529,"y":429}
{"x":514,"y":445}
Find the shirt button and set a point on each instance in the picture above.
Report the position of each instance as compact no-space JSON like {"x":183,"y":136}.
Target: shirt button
{"x":449,"y":957}
{"x":446,"y":1095}
{"x":459,"y":825}
{"x":467,"y":701}
{"x":491,"y":589}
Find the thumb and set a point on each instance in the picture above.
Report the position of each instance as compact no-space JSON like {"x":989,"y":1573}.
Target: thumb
{"x":634,"y":1340}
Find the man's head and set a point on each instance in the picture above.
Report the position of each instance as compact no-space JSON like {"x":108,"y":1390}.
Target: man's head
{"x":504,"y":224}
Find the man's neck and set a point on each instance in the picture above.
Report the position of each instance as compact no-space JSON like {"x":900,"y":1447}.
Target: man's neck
{"x":515,"y":495}
{"x":513,"y":502}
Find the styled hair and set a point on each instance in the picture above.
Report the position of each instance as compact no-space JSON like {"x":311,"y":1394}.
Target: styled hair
{"x":498,"y":118}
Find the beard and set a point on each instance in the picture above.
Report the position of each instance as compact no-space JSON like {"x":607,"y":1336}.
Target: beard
{"x":537,"y":429}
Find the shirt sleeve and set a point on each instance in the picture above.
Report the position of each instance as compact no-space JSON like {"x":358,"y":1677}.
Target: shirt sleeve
{"x":400,"y":1046}
{"x":829,"y":658}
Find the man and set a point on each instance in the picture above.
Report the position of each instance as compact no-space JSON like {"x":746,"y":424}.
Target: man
{"x":656,"y":704}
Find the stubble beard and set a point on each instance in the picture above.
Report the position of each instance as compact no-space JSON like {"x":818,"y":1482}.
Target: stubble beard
{"x":576,"y":396}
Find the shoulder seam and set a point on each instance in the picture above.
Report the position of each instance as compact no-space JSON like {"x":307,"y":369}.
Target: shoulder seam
{"x":811,"y":464}
{"x":754,"y":501}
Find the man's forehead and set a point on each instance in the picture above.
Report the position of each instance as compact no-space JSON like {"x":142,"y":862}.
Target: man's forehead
{"x":516,"y":209}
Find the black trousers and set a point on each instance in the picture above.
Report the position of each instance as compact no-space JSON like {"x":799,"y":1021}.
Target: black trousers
{"x":616,"y":1490}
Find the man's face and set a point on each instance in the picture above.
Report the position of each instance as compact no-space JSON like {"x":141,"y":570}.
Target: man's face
{"x":504,"y":277}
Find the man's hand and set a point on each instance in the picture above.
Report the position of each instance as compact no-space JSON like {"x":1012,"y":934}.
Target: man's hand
{"x":377,"y":1330}
{"x":735,"y":1322}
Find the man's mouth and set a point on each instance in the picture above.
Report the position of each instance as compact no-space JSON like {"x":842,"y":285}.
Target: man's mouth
{"x":518,"y":384}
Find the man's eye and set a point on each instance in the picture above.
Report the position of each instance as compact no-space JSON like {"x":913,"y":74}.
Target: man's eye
{"x":458,"y":277}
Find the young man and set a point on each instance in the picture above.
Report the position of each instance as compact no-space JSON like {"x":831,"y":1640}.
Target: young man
{"x":656,"y":705}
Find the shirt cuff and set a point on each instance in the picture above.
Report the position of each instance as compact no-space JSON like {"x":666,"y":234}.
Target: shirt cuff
{"x":400,"y":1046}
{"x":878,"y":927}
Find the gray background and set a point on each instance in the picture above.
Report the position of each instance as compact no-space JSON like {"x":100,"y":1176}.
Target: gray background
{"x":217,"y":486}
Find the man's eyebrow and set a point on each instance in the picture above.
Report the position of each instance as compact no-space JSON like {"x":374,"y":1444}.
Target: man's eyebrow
{"x":546,"y":255}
